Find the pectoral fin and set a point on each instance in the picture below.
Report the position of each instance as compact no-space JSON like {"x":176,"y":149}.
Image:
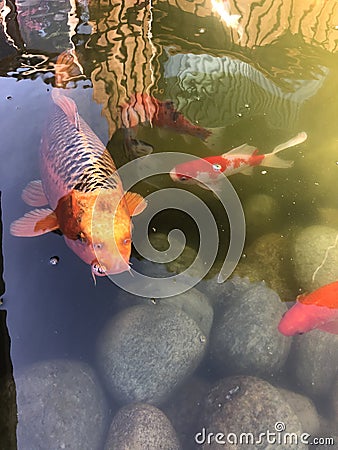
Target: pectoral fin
{"x":34,"y":195}
{"x":135,"y":202}
{"x":35,"y":223}
{"x":330,"y":327}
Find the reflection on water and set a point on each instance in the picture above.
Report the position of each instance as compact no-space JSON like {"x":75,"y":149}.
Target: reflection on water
{"x":96,"y":349}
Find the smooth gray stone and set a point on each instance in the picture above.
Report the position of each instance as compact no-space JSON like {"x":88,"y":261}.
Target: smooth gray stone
{"x":245,"y":404}
{"x":147,"y":351}
{"x":315,"y":355}
{"x":60,"y":406}
{"x":141,"y":426}
{"x":244,"y":337}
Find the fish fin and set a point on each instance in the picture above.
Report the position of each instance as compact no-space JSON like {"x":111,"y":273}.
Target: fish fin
{"x":216,"y":137}
{"x":135,"y":202}
{"x":243,"y":149}
{"x":298,"y":139}
{"x":329,"y":327}
{"x":67,"y":68}
{"x":247,"y":171}
{"x":272,"y":160}
{"x":34,"y":195}
{"x":68,"y":106}
{"x":35,"y":223}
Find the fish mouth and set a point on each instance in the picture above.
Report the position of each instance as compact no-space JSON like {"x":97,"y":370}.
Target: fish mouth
{"x":173,"y":175}
{"x":98,"y":270}
{"x":101,"y":270}
{"x":180,"y":177}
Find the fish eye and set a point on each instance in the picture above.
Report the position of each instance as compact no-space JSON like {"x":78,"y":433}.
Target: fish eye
{"x":217,"y":167}
{"x":183,"y":178}
{"x":98,"y":246}
{"x":126,"y":241}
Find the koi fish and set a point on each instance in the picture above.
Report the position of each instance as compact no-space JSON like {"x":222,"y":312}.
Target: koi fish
{"x":142,"y":109}
{"x":241,"y":159}
{"x":319,"y":309}
{"x":78,"y":174}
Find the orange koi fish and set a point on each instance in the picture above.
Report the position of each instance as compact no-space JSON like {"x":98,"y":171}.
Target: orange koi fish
{"x":241,"y":159}
{"x":316,"y":310}
{"x":78,"y":173}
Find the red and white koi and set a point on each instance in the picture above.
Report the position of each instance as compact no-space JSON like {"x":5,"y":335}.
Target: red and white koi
{"x":242,"y":159}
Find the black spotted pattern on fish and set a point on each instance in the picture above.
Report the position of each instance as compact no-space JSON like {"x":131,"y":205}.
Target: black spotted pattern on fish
{"x":73,"y":157}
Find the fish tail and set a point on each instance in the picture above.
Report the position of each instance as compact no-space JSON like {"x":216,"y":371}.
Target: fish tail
{"x":215,"y":137}
{"x":272,"y":160}
{"x":67,"y":68}
{"x":298,"y":139}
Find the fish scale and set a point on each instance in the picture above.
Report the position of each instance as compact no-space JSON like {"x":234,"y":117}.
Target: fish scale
{"x":74,"y":158}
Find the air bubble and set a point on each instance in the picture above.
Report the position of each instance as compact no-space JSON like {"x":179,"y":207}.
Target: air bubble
{"x":54,"y":260}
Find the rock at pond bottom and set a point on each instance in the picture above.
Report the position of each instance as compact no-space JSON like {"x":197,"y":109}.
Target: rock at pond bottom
{"x":244,"y":337}
{"x":183,"y":409}
{"x":60,"y":406}
{"x":196,"y":305}
{"x":241,"y":409}
{"x":304,"y":409}
{"x":315,"y":356}
{"x":141,"y":426}
{"x":146,"y":351}
{"x":315,"y":256}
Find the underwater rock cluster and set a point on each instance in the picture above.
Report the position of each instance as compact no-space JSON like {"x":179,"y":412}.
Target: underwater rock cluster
{"x":180,"y":370}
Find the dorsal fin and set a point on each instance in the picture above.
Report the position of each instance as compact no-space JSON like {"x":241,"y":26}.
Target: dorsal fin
{"x":243,"y":149}
{"x":68,"y":106}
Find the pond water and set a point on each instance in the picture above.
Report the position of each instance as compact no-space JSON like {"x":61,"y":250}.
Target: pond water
{"x":211,"y":359}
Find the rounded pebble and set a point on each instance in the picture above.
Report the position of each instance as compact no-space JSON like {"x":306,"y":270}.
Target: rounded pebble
{"x":268,"y":258}
{"x":245,"y":404}
{"x":146,"y":351}
{"x":141,"y":426}
{"x":315,"y":355}
{"x":183,"y":409}
{"x":60,"y":406}
{"x":244,"y":337}
{"x":261,"y":212}
{"x":196,"y":305}
{"x":304,"y":409}
{"x":315,"y":256}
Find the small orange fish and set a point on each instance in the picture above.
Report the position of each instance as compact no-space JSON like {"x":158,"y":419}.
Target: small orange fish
{"x":319,"y":309}
{"x":78,"y":173}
